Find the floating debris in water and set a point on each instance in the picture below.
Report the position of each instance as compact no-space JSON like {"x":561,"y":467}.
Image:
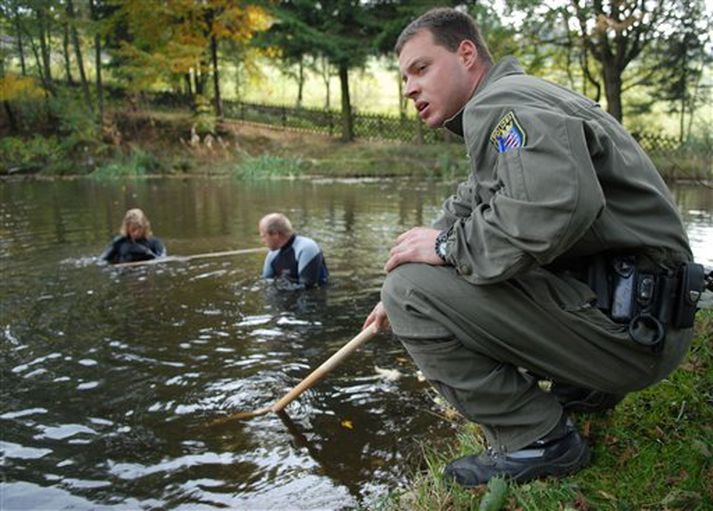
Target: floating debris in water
{"x":388,"y":374}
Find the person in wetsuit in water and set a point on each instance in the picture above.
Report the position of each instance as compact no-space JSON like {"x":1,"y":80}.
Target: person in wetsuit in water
{"x":135,"y":241}
{"x":293,"y":257}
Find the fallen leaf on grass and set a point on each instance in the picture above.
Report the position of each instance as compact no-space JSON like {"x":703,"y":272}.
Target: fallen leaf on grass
{"x":587,"y":429}
{"x":626,"y":455}
{"x":701,"y":447}
{"x":581,"y":503}
{"x":606,"y":495}
{"x":681,"y":499}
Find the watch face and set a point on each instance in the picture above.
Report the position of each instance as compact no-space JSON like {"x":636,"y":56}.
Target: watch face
{"x":442,"y":248}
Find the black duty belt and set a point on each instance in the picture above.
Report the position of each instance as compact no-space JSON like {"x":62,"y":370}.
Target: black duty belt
{"x":648,"y":298}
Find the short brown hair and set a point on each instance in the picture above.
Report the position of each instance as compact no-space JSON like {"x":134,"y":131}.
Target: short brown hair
{"x":449,"y":28}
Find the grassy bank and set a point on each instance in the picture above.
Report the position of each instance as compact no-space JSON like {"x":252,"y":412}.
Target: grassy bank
{"x":142,"y":144}
{"x":653,"y":452}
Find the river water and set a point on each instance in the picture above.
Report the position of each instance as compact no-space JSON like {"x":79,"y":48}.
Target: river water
{"x":112,"y":377}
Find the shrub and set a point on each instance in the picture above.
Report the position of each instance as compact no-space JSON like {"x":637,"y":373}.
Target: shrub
{"x":35,"y":154}
{"x":205,"y":121}
{"x":137,"y":163}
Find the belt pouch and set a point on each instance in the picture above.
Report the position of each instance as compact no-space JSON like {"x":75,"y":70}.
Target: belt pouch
{"x":691,"y":286}
{"x":624,"y":289}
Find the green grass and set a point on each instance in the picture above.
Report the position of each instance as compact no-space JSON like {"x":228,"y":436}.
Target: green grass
{"x":136,"y":164}
{"x":268,"y":166}
{"x":653,"y":452}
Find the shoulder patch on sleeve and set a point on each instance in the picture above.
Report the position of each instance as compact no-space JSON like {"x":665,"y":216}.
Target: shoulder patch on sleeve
{"x":508,"y":134}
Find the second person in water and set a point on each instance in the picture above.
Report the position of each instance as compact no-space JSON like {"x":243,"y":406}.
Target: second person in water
{"x":293,"y":257}
{"x":135,"y":241}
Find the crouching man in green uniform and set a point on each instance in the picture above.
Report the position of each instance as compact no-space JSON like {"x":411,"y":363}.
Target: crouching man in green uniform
{"x":558,"y":258}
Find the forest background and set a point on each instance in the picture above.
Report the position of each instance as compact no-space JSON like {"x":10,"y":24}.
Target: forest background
{"x":139,"y":87}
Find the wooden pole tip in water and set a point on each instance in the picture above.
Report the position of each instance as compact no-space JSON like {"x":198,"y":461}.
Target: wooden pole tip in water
{"x":239,"y":416}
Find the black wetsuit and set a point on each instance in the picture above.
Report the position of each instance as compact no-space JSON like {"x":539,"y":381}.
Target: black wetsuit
{"x":300,"y":260}
{"x":123,"y":250}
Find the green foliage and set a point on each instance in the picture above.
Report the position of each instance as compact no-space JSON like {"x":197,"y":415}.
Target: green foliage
{"x":74,"y":120}
{"x":19,"y":155}
{"x":495,"y":494}
{"x":205,"y":120}
{"x":267,"y":166}
{"x":136,"y":164}
{"x":692,"y":160}
{"x":451,"y":166}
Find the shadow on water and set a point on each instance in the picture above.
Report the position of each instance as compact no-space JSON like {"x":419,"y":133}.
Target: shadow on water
{"x":110,"y":376}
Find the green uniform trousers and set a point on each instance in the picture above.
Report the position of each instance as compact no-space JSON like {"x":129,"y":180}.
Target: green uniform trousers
{"x":470,"y":341}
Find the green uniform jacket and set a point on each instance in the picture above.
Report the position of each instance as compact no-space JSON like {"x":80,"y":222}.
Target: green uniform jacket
{"x":574,"y":184}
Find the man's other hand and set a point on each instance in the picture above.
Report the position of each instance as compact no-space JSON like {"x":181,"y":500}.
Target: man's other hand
{"x":417,"y":245}
{"x":378,"y":317}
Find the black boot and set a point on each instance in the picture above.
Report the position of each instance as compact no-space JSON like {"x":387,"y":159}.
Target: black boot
{"x":577,"y":399}
{"x":562,"y":451}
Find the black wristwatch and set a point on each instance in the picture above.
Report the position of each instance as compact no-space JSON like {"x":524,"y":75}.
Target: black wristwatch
{"x":441,"y":244}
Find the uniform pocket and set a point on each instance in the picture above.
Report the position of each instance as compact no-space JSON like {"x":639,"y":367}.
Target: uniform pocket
{"x":510,"y":172}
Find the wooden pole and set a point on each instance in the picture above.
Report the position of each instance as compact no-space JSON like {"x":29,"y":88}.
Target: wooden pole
{"x":316,"y":375}
{"x":169,"y":259}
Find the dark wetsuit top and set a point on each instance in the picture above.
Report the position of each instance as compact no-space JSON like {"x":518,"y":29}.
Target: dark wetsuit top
{"x":300,"y":260}
{"x":124,"y":250}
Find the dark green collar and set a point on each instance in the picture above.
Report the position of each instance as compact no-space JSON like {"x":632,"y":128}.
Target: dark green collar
{"x":507,"y":66}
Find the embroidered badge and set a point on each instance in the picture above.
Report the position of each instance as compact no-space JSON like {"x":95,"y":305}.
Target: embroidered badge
{"x":508,"y":134}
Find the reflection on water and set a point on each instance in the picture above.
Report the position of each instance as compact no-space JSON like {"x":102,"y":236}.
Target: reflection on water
{"x":111,"y":377}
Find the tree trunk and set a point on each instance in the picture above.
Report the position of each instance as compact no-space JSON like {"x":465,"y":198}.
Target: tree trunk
{"x":325,"y":77}
{"x":20,"y":46}
{"x":10,"y":116}
{"x":612,"y":89}
{"x":300,"y":81}
{"x":78,"y":55}
{"x":38,"y":61}
{"x":216,"y":77}
{"x":65,"y":51}
{"x":199,"y":80}
{"x":684,"y":79}
{"x":347,"y":121}
{"x":98,"y":61}
{"x":45,"y":48}
{"x":189,"y":87}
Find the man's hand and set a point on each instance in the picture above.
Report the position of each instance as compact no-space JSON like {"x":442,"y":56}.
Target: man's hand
{"x":377,"y":316}
{"x":417,"y":245}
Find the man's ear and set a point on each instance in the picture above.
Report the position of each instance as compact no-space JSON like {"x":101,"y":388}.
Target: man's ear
{"x":467,"y":52}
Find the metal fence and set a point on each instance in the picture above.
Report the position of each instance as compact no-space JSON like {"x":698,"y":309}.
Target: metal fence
{"x":653,"y":143}
{"x":378,"y":126}
{"x":365,"y":125}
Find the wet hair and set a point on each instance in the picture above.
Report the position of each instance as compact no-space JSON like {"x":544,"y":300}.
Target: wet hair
{"x":449,"y":28}
{"x":136,"y":217}
{"x":276,"y":223}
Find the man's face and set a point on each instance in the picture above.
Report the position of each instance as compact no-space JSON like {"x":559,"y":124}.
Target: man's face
{"x":271,"y":240}
{"x":436,"y":79}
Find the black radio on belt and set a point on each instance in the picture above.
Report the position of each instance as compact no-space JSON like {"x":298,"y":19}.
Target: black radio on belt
{"x":650,"y":301}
